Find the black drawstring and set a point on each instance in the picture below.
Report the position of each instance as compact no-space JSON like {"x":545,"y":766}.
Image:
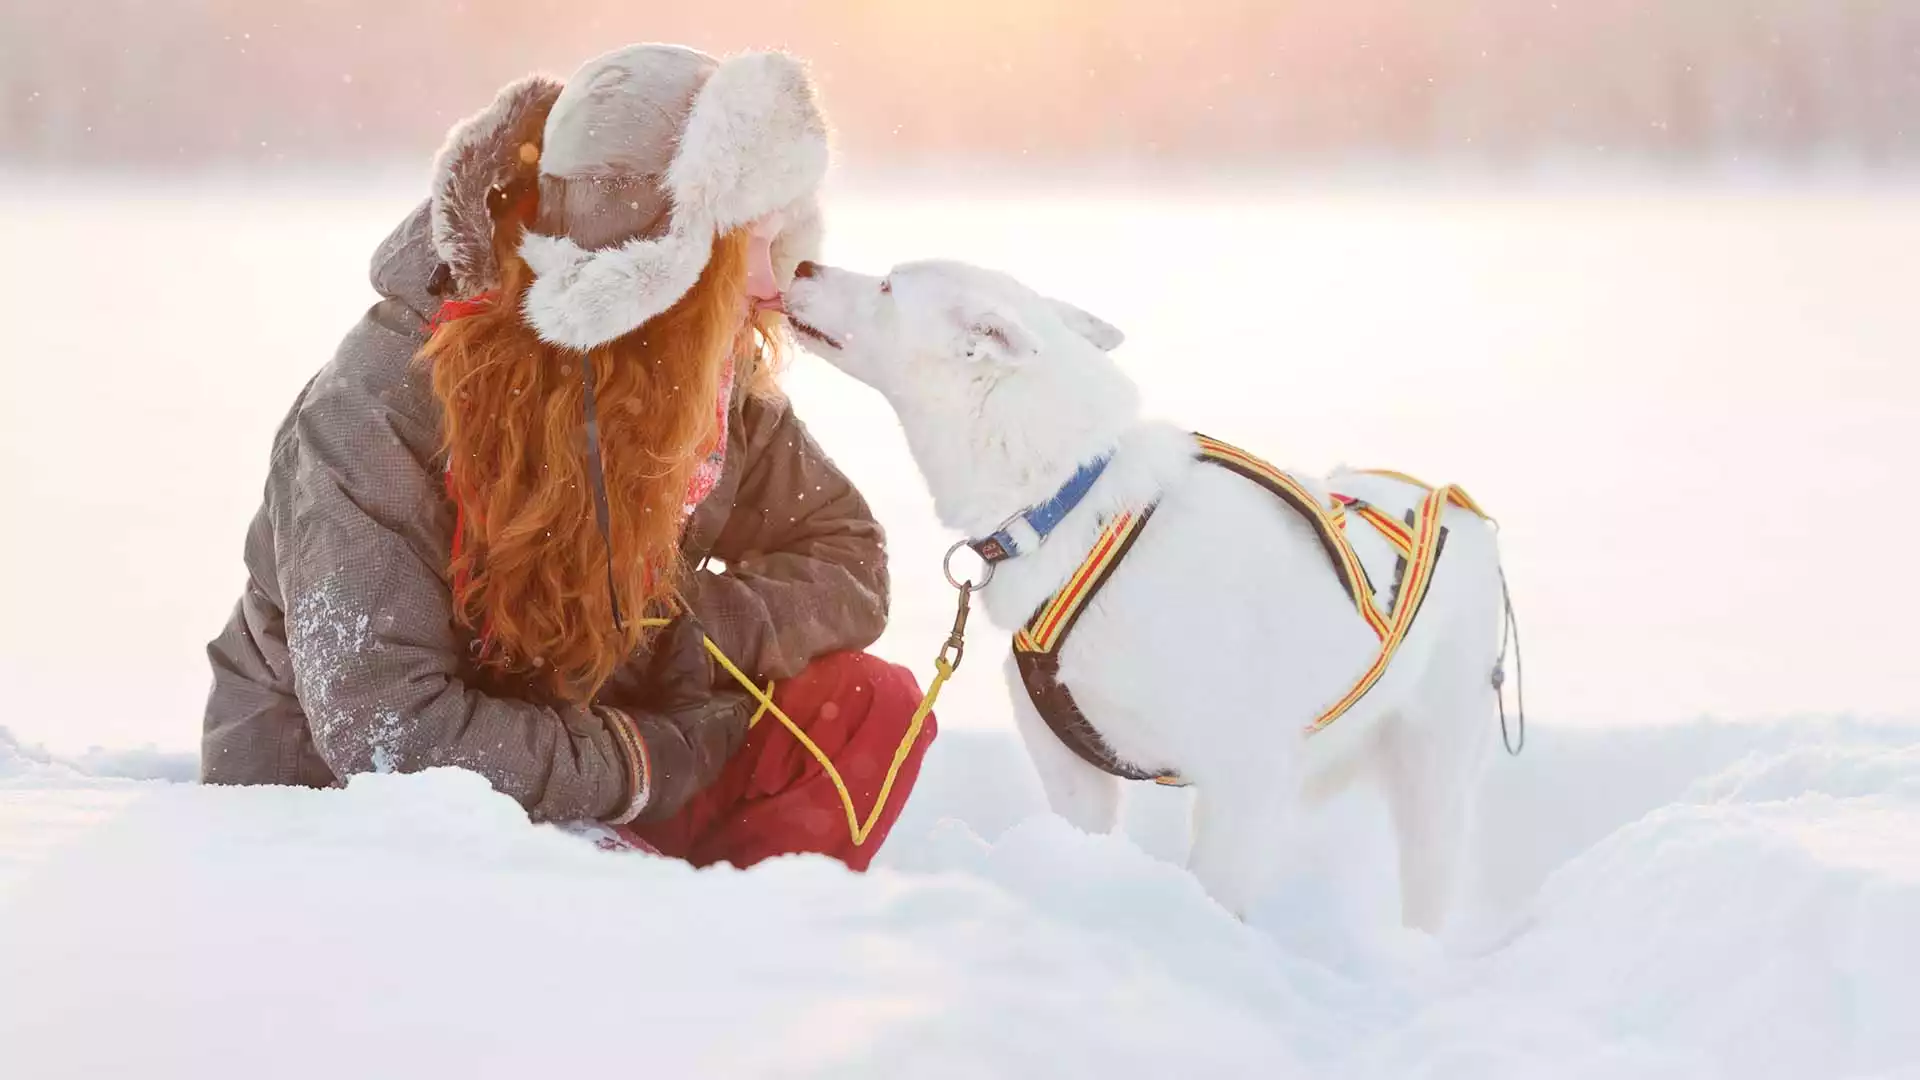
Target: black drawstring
{"x":1511,"y":626}
{"x":598,"y":477}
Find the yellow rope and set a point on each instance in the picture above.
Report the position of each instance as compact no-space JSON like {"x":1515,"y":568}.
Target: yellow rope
{"x":943,"y":670}
{"x":766,"y":702}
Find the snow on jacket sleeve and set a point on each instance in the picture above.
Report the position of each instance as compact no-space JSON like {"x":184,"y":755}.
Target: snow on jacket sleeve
{"x":806,"y":563}
{"x":360,"y":547}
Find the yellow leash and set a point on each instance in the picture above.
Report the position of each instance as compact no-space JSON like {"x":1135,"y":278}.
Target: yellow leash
{"x":944,"y":665}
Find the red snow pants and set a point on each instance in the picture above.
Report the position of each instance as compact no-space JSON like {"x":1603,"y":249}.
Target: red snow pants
{"x":773,"y":798}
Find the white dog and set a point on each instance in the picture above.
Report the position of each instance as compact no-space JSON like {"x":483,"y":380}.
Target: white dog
{"x":1225,"y":631}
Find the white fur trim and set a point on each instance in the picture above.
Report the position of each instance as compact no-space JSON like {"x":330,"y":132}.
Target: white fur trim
{"x":579,"y":298}
{"x":754,"y":142}
{"x":475,"y":156}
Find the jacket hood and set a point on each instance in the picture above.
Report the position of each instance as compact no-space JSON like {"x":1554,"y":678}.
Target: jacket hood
{"x":444,"y":246}
{"x":405,"y":267}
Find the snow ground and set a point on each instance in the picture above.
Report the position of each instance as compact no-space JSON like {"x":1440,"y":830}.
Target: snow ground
{"x":1699,"y":900}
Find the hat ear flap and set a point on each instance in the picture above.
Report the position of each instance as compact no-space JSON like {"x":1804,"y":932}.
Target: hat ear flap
{"x":580,"y":298}
{"x":754,"y":142}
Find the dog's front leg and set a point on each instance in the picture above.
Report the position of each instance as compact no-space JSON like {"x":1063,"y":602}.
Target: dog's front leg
{"x":1088,"y":798}
{"x":1235,"y":844}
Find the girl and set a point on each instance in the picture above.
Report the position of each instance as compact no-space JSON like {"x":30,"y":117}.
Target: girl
{"x":525,"y":457}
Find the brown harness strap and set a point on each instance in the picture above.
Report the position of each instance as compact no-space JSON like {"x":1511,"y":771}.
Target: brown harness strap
{"x":1356,"y":589}
{"x":1039,"y":659}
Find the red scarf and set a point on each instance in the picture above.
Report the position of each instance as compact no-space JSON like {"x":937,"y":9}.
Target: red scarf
{"x":455,"y":310}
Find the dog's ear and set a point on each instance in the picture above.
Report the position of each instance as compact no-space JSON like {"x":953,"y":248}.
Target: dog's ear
{"x":1105,"y":336}
{"x":997,"y":337}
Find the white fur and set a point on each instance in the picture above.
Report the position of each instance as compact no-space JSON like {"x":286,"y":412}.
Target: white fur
{"x":580,"y":298}
{"x":479,"y":152}
{"x":754,"y":143}
{"x":1225,"y":632}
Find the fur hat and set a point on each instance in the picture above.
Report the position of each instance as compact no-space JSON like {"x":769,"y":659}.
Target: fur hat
{"x":645,"y":156}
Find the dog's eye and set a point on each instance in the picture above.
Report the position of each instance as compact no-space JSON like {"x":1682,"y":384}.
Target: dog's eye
{"x":886,"y":286}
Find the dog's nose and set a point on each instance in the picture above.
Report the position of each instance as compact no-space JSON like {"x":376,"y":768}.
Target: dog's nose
{"x":807,"y":268}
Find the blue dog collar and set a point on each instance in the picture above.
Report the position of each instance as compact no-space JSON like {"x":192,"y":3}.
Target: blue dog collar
{"x":1044,"y":518}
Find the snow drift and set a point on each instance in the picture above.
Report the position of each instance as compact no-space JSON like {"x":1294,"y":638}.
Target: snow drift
{"x":1702,"y":900}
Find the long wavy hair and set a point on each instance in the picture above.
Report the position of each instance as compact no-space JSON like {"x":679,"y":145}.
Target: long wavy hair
{"x":530,"y":569}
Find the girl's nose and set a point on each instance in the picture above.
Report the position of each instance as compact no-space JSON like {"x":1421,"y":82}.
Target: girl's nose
{"x":762,"y":284}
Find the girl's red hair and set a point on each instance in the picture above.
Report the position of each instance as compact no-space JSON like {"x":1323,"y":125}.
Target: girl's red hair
{"x":530,"y":571}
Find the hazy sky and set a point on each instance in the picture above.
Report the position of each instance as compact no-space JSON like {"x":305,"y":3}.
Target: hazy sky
{"x":189,"y":82}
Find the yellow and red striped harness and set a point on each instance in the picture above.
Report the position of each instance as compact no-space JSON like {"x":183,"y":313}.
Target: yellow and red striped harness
{"x":1417,"y":540}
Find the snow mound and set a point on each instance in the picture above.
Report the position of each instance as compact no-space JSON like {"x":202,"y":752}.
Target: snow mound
{"x":417,"y":926}
{"x":1769,"y":936}
{"x":1729,"y":902}
{"x":19,"y":760}
{"x":21,"y":765}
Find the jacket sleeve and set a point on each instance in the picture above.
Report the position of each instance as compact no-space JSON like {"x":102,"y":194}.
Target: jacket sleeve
{"x":361,"y":543}
{"x":806,"y":563}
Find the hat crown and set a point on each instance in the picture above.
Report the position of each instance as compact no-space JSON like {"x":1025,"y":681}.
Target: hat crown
{"x":609,"y":140}
{"x":620,"y":116}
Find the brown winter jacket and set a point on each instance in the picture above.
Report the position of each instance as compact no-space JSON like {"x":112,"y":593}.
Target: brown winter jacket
{"x":342,"y":655}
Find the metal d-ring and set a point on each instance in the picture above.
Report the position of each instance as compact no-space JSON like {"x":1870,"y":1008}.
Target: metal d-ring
{"x":946,"y":567}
